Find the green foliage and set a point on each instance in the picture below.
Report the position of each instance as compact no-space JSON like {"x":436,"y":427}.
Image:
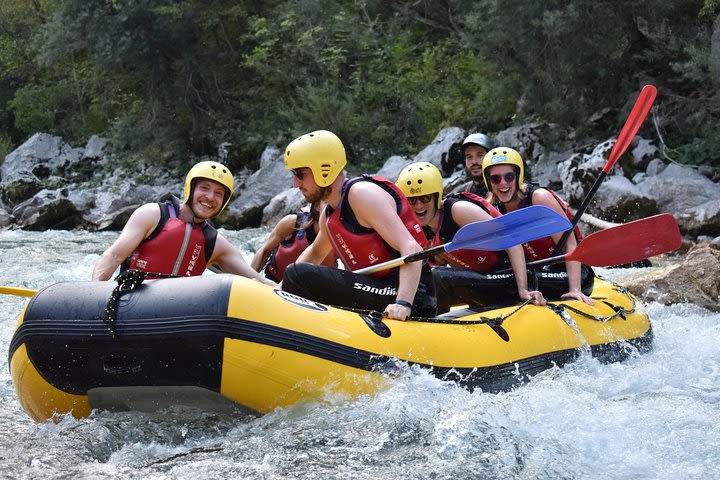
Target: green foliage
{"x":166,"y":79}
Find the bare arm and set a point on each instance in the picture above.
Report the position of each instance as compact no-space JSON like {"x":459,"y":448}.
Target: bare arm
{"x":282,"y":231}
{"x":140,"y":225}
{"x":466,"y":212}
{"x":375,"y":208}
{"x":320,"y":248}
{"x":231,"y":261}
{"x":543,"y":197}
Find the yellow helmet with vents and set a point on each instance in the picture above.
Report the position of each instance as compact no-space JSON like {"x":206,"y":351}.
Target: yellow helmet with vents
{"x":503,"y":156}
{"x":420,"y":178}
{"x":212,"y":171}
{"x":320,"y":151}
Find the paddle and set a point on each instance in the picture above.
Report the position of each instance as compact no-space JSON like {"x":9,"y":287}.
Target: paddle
{"x":20,"y":292}
{"x":498,"y":233}
{"x":632,"y":124}
{"x":626,"y":243}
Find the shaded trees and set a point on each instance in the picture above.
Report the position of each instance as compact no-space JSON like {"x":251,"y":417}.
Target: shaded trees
{"x":165,"y":78}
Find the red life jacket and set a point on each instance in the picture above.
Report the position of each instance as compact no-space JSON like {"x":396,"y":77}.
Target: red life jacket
{"x":175,"y":247}
{"x":358,"y":246}
{"x":478,"y":260}
{"x":289,"y":250}
{"x":543,"y":247}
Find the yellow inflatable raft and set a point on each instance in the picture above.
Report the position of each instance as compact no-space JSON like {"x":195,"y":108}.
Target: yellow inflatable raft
{"x":223,"y":337}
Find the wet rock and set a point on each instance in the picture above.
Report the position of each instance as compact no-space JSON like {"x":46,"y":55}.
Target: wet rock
{"x":392,"y":167}
{"x":655,"y":167}
{"x":5,"y":219}
{"x":288,"y":201}
{"x":695,"y":280}
{"x":16,"y":187}
{"x":643,"y":152}
{"x":258,"y":189}
{"x":701,"y":220}
{"x":618,"y":200}
{"x":679,"y":188}
{"x":48,"y":210}
{"x":443,"y":151}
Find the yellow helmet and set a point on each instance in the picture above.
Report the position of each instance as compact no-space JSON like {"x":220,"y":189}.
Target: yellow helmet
{"x":503,"y":156}
{"x":421,"y":178}
{"x":212,"y":171}
{"x":320,"y":151}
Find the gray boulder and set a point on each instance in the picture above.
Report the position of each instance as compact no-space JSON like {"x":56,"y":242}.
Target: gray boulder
{"x":695,"y":280}
{"x":48,"y":210}
{"x":618,"y":200}
{"x":288,"y":201}
{"x":443,"y":151}
{"x":258,"y":189}
{"x":701,"y":220}
{"x":18,"y":186}
{"x":677,"y":189}
{"x":393,"y":165}
{"x":643,"y":152}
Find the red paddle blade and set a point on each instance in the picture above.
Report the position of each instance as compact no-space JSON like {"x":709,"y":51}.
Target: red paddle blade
{"x":629,"y":242}
{"x":632,"y":124}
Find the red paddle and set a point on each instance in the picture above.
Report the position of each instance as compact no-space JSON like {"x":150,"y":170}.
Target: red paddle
{"x":632,"y":124}
{"x":626,"y":243}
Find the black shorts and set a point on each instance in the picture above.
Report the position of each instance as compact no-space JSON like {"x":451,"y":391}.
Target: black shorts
{"x":343,"y":288}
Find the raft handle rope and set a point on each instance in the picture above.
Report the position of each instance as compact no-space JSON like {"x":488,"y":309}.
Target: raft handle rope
{"x":374,"y":320}
{"x":622,"y":312}
{"x":127,"y":281}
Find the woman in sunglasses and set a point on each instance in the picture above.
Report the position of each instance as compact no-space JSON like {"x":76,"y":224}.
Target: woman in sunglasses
{"x":504,"y":174}
{"x":466,"y":280}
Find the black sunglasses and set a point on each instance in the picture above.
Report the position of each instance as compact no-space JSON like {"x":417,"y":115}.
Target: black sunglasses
{"x":421,"y":198}
{"x":299,"y":173}
{"x":508,"y":177}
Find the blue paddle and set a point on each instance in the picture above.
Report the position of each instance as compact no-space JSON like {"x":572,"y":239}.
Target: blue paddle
{"x":498,"y":233}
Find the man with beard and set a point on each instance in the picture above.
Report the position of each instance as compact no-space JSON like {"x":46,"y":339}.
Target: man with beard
{"x":474,"y":148}
{"x":174,"y":238}
{"x":367,"y":221}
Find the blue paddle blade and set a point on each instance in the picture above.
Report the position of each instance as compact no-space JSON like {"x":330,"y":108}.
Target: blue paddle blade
{"x":509,"y":230}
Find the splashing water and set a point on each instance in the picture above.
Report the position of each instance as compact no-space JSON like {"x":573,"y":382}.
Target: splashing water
{"x":653,"y":416}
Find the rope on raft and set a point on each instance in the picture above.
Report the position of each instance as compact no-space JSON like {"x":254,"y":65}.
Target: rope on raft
{"x":495,"y":323}
{"x":127,"y":281}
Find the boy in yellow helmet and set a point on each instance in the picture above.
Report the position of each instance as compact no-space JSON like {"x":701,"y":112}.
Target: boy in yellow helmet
{"x":176,"y":239}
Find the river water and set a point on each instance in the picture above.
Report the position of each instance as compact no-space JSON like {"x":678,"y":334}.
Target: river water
{"x":656,"y":416}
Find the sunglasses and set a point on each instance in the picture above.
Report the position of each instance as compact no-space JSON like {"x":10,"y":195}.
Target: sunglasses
{"x":299,"y":173}
{"x":508,"y":177}
{"x":421,"y":199}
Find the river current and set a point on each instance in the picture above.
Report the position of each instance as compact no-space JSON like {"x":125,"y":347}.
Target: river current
{"x":655,"y":416}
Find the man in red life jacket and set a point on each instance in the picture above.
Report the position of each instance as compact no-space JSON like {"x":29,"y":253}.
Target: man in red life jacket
{"x":367,"y":221}
{"x":177,"y":239}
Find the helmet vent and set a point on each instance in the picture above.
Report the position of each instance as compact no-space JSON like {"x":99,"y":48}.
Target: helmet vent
{"x":325,"y":169}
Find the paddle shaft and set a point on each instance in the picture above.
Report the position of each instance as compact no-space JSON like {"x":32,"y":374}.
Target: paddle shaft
{"x":397,"y":262}
{"x":626,"y":135}
{"x":19,"y":292}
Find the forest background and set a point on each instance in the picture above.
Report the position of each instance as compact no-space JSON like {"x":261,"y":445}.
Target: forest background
{"x":168,"y":81}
